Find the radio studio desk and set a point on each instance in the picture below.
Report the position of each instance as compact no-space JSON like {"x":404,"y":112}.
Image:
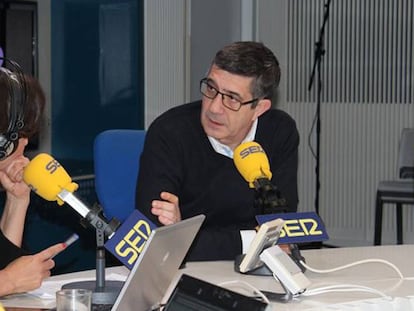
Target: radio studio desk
{"x":373,"y":275}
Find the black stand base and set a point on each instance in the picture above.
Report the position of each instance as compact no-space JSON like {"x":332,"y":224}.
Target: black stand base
{"x":100,"y":296}
{"x":262,"y":269}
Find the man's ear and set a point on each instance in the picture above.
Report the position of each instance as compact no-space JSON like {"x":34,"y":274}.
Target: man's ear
{"x":262,"y":106}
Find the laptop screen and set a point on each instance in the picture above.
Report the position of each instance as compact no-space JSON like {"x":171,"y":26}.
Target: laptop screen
{"x":157,"y":265}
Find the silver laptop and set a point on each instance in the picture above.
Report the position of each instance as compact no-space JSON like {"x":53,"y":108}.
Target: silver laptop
{"x":157,"y":265}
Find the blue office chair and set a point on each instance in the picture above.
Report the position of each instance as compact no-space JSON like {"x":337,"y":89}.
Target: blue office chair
{"x":116,"y":163}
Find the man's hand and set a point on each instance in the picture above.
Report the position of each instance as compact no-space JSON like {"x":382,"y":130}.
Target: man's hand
{"x":167,"y":209}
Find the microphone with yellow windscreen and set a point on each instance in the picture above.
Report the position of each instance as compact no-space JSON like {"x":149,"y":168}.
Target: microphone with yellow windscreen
{"x":47,"y":178}
{"x":252,"y":163}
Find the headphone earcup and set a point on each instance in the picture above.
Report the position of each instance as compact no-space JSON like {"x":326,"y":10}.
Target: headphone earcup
{"x":16,"y":88}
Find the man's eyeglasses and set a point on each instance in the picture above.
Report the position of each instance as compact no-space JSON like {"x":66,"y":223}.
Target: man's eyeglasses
{"x":229,"y":101}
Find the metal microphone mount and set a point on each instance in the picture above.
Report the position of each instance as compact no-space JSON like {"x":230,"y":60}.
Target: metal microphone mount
{"x":268,"y":198}
{"x":104,"y":292}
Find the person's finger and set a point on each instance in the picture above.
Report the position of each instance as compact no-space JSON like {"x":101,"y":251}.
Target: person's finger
{"x":15,"y":169}
{"x":167,"y":196}
{"x":166,"y":220}
{"x":51,"y":251}
{"x":161,"y":206}
{"x":5,"y":181}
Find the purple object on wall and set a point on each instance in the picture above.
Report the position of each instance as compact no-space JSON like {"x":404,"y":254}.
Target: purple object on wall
{"x":1,"y":55}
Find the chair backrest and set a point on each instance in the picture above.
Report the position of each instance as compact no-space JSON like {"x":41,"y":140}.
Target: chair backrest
{"x":116,"y":164}
{"x":406,"y":154}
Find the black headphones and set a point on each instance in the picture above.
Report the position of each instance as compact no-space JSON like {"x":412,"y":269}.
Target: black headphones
{"x":16,"y":87}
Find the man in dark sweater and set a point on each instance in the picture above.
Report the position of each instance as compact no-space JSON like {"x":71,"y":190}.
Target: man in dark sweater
{"x":187,"y":163}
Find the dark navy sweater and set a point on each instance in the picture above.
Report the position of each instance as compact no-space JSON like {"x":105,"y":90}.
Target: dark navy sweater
{"x":179,"y":158}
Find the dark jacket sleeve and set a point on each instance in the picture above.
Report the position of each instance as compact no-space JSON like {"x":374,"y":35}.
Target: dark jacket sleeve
{"x":9,"y":251}
{"x":162,"y":169}
{"x":159,"y":171}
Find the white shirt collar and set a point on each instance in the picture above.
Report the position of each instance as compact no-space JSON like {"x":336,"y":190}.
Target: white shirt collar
{"x":226,"y":150}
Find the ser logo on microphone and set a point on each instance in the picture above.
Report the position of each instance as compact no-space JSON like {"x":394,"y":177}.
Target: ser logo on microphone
{"x":52,"y":166}
{"x":250,"y":150}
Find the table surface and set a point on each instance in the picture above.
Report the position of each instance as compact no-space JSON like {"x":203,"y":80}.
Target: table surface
{"x":374,"y":275}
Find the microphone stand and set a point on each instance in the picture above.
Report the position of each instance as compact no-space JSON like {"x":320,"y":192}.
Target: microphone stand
{"x":268,"y":197}
{"x":268,"y":200}
{"x":104,"y":292}
{"x":319,"y":53}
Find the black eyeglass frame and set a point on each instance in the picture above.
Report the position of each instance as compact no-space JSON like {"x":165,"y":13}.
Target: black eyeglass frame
{"x":205,"y":81}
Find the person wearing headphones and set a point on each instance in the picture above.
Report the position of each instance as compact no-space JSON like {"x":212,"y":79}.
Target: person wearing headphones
{"x":22,"y":102}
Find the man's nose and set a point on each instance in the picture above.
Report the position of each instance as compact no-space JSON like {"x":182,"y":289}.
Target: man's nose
{"x":216,"y":104}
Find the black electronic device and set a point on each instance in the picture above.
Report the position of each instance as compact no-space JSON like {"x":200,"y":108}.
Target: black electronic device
{"x":192,"y":294}
{"x":16,"y":87}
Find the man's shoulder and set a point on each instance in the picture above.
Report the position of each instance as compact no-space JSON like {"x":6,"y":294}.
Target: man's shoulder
{"x":278,"y":116}
{"x":184,"y":111}
{"x":178,"y":119}
{"x":277,"y":123}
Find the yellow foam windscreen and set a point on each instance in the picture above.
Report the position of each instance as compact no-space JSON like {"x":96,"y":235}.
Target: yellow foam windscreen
{"x":252,"y":162}
{"x":48,"y":178}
